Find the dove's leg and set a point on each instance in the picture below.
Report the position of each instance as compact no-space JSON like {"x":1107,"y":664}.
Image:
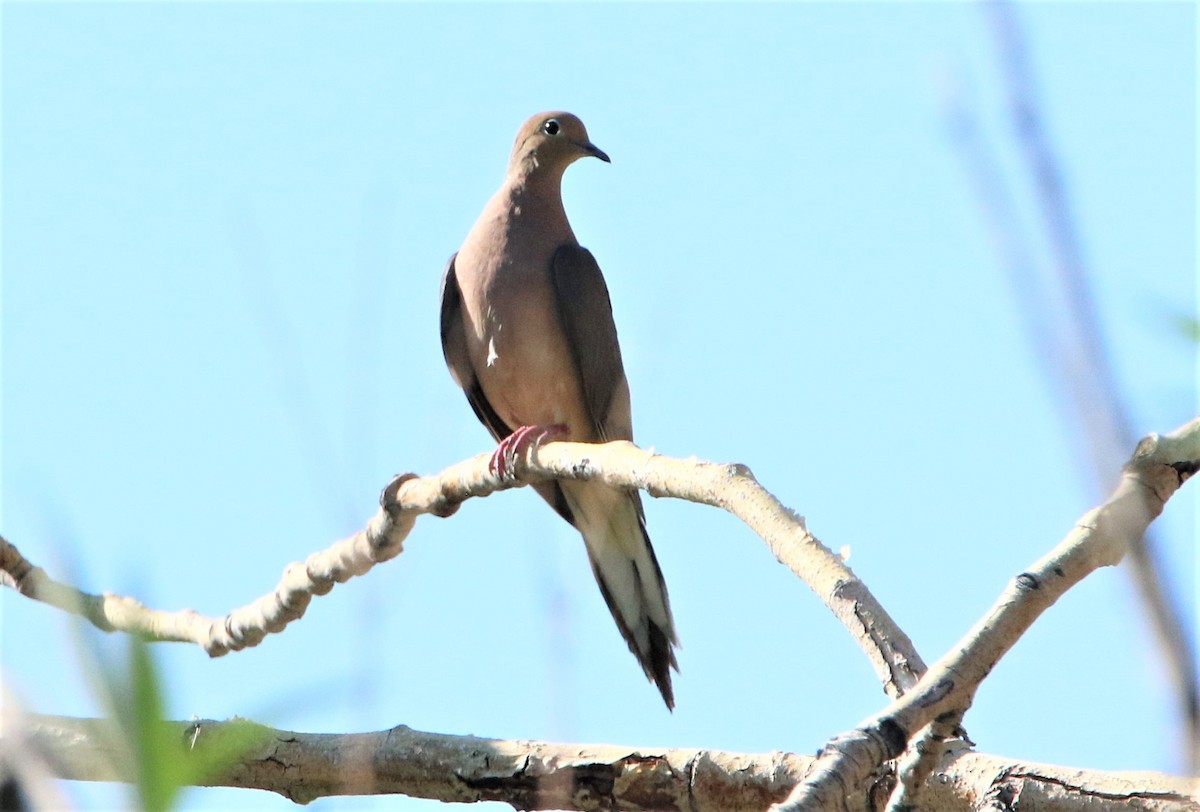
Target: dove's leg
{"x":504,"y":458}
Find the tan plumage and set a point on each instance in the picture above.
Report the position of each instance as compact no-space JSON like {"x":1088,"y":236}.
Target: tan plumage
{"x":528,"y":334}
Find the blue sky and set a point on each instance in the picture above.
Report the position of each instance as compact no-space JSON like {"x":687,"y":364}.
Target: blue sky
{"x":224,"y":227}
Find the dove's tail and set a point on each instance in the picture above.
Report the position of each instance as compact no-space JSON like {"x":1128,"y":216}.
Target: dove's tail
{"x":614,"y":530}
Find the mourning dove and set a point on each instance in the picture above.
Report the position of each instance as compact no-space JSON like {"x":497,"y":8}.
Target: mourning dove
{"x":528,"y":333}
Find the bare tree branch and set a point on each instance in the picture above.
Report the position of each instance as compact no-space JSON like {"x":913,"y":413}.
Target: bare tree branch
{"x":851,"y":771}
{"x":540,"y":775}
{"x":730,"y":487}
{"x":1159,"y":466}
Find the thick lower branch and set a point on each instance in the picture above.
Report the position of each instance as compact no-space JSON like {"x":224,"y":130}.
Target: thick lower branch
{"x":540,"y":775}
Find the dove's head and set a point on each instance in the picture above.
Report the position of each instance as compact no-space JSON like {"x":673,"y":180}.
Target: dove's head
{"x":552,"y":141}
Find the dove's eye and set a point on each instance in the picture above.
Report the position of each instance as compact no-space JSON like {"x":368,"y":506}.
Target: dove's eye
{"x":551,"y":126}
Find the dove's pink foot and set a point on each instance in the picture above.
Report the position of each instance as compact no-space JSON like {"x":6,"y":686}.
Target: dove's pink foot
{"x":504,"y":458}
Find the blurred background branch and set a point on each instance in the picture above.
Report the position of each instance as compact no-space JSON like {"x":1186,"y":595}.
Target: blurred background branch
{"x":1056,"y":301}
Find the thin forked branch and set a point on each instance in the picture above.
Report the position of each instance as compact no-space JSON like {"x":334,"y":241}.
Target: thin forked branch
{"x":729,"y":487}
